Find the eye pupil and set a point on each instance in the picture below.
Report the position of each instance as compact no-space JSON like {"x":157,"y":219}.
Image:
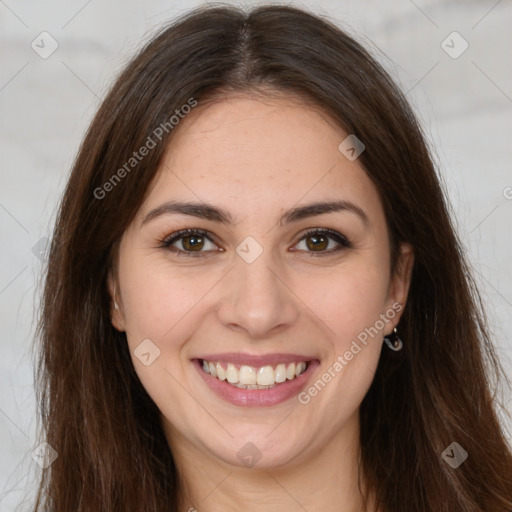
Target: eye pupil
{"x":193,"y":242}
{"x":318,"y":242}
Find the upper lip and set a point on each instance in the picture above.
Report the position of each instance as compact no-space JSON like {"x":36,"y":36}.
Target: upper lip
{"x":255,"y":360}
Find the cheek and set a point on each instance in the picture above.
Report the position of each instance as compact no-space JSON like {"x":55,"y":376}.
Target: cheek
{"x":158,"y":298}
{"x":352,"y":306}
{"x":350,"y":303}
{"x":161,"y":305}
{"x":348,"y":300}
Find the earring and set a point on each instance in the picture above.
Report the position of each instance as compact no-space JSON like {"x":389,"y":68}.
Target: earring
{"x":115,"y":303}
{"x":393,"y":341}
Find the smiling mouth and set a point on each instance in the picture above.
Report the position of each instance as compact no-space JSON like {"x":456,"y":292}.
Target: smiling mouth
{"x":253,"y":377}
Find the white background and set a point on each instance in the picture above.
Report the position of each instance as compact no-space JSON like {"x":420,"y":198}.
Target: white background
{"x":465,"y":105}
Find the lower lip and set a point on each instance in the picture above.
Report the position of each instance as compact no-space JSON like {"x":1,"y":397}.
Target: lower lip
{"x":257,"y":397}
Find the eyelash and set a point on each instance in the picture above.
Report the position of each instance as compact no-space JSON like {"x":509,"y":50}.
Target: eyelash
{"x":334,"y":235}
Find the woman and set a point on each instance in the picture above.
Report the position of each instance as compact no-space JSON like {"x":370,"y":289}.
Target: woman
{"x":255,"y":297}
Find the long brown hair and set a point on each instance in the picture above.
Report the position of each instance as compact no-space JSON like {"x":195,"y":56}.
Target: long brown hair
{"x":112,"y":454}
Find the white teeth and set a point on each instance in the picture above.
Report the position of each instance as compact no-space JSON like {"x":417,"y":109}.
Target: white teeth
{"x":280,"y":373}
{"x":221,"y":373}
{"x":300,"y":368}
{"x":253,"y":386}
{"x":266,"y":376}
{"x":249,"y":377}
{"x":232,"y":374}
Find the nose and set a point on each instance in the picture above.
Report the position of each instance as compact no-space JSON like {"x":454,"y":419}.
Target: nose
{"x":256,"y":299}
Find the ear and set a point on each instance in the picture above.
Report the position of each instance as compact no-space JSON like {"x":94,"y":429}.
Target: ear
{"x":400,"y":282}
{"x":116,"y":310}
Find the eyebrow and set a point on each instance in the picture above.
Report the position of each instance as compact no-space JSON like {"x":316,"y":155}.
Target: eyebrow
{"x":216,"y":214}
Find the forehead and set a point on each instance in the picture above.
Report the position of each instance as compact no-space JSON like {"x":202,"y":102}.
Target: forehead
{"x":254,"y":152}
{"x":263,"y":134}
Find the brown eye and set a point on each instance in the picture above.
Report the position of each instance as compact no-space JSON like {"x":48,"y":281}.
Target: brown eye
{"x":189,"y":242}
{"x":192,"y":242}
{"x":317,"y":242}
{"x":323,"y":242}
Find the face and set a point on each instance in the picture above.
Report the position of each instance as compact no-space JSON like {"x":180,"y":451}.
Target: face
{"x":257,"y":331}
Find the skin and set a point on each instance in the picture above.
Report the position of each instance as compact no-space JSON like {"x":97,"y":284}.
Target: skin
{"x":257,"y":158}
